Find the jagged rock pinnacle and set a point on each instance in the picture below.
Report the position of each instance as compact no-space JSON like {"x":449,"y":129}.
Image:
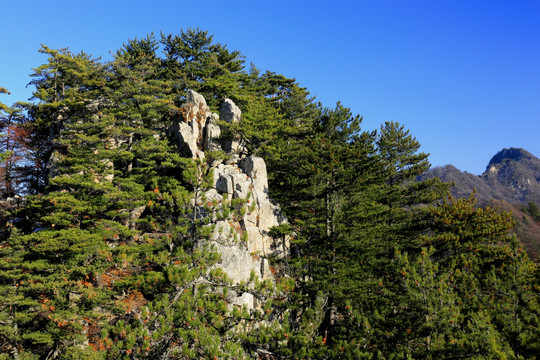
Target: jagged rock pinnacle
{"x":243,"y":241}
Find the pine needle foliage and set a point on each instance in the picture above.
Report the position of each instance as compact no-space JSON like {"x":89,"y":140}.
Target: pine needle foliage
{"x":108,"y":257}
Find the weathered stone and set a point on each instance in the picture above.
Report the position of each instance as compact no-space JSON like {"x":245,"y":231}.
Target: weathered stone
{"x":212,"y":134}
{"x":242,"y":242}
{"x":255,"y":168}
{"x":74,"y":296}
{"x":238,"y":263}
{"x":226,"y":171}
{"x":267,"y":218}
{"x":187,"y":141}
{"x":196,"y":98}
{"x":246,"y":300}
{"x":212,"y":195}
{"x":256,"y":243}
{"x":225,"y":184}
{"x":231,"y":113}
{"x":190,"y":129}
{"x":241,"y":185}
{"x":134,"y":215}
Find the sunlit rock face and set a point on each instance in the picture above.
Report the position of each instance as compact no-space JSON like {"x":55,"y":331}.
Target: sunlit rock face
{"x":242,"y":240}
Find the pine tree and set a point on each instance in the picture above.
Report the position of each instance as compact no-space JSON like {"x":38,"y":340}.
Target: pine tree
{"x":454,"y":285}
{"x":14,"y":144}
{"x":401,"y":163}
{"x":382,"y":213}
{"x":11,"y":147}
{"x":276,"y":114}
{"x":108,"y":259}
{"x":329,"y":166}
{"x":514,"y":301}
{"x":67,"y":86}
{"x":194,"y":62}
{"x":116,"y":228}
{"x":438,"y":324}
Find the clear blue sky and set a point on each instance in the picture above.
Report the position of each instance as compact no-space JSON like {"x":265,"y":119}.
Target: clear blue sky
{"x":462,"y":75}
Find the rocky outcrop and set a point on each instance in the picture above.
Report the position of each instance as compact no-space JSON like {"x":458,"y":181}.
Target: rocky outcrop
{"x":190,"y":128}
{"x":242,"y":237}
{"x":512,"y":175}
{"x":242,"y":240}
{"x":511,"y":181}
{"x":515,"y":174}
{"x":231,"y":113}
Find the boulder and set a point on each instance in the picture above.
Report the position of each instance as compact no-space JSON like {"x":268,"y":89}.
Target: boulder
{"x":255,"y":168}
{"x":231,"y":113}
{"x":187,"y":140}
{"x":224,"y":184}
{"x":212,"y":133}
{"x":190,"y":127}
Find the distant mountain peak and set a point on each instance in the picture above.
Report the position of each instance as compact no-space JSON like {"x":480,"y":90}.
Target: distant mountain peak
{"x":511,"y":181}
{"x":515,"y":154}
{"x":512,"y":175}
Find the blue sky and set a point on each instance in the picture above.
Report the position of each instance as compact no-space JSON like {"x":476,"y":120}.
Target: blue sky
{"x":462,"y":75}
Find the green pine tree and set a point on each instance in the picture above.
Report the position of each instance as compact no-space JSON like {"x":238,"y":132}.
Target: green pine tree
{"x":194,"y":62}
{"x":483,"y":277}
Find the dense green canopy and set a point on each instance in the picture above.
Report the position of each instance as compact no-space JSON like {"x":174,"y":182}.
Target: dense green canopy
{"x":381,"y":265}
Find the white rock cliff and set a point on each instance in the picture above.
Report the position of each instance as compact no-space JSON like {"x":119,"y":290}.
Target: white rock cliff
{"x":243,"y":242}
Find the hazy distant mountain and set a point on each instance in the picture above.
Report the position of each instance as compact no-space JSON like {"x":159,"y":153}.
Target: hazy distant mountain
{"x":511,"y":181}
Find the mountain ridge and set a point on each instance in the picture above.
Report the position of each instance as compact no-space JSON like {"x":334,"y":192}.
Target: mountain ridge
{"x":513,"y":174}
{"x":510,"y":182}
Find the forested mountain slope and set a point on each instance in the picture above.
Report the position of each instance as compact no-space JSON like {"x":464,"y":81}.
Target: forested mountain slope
{"x":177,"y":205}
{"x":512,"y":175}
{"x":511,"y":181}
